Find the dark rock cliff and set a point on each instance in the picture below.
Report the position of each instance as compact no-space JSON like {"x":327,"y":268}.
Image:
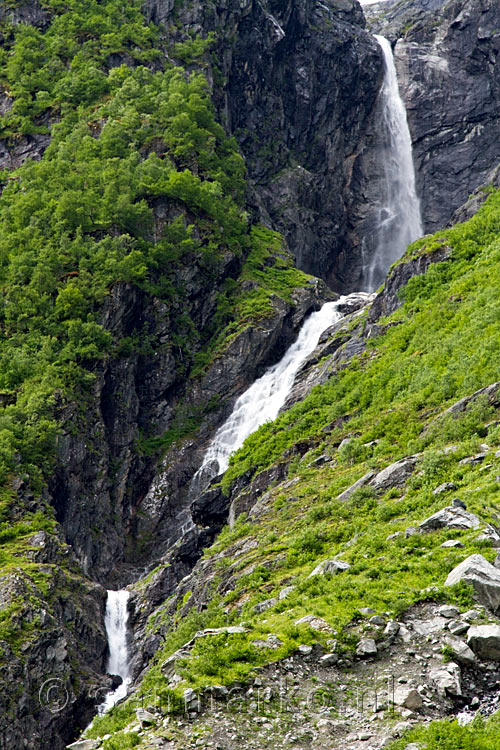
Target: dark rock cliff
{"x":296,"y":83}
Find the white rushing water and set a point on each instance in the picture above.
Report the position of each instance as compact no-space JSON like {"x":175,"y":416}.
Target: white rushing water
{"x":398,"y":222}
{"x":263,"y":400}
{"x":115,"y":619}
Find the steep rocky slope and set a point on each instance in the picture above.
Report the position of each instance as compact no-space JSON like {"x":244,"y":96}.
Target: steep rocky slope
{"x":343,"y":529}
{"x":153,"y":300}
{"x":140,"y":297}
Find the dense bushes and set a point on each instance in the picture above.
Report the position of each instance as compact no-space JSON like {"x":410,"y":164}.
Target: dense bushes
{"x":138,"y":185}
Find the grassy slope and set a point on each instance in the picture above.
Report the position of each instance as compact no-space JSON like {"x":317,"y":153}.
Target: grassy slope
{"x":445,"y":347}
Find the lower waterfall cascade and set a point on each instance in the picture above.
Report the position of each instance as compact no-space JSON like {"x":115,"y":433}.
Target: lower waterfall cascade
{"x":116,"y":618}
{"x":398,"y":221}
{"x":262,"y":401}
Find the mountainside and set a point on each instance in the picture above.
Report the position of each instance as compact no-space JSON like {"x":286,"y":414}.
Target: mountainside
{"x":182,"y":183}
{"x":329,"y":582}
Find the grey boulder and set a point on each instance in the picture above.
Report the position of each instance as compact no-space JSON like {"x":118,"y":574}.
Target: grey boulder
{"x":460,"y":650}
{"x":447,"y":679}
{"x":366,"y":648}
{"x":451,"y":518}
{"x":396,"y":474}
{"x":483,"y":577}
{"x":330,"y":567}
{"x":484,"y":640}
{"x":408,"y":698}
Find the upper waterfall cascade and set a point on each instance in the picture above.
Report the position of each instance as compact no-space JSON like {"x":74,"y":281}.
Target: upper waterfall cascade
{"x":263,"y":400}
{"x":398,"y":221}
{"x":115,"y":619}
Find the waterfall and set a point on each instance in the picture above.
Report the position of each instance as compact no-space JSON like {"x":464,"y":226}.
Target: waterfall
{"x":263,"y":400}
{"x":398,"y":221}
{"x":115,"y":619}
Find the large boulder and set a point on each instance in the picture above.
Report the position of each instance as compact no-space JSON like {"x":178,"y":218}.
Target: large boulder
{"x":484,"y":640}
{"x":407,"y":697}
{"x":396,"y":474}
{"x":366,"y":648}
{"x":482,"y":576}
{"x":451,"y":518}
{"x":330,"y":567}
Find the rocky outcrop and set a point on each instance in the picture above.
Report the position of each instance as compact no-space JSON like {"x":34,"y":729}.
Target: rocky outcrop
{"x":484,"y":640}
{"x":447,"y":60}
{"x":389,"y":298}
{"x":112,"y":499}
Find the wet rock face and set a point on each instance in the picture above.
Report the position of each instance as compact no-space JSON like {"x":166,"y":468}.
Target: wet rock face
{"x":447,"y":60}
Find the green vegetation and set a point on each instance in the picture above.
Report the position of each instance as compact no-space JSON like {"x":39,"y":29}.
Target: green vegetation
{"x":140,"y":186}
{"x":445,"y":347}
{"x":392,"y":400}
{"x":448,"y":735}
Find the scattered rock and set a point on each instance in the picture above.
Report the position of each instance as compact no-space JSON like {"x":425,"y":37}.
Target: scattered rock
{"x":146,"y":718}
{"x":377,"y":620}
{"x":267,"y":604}
{"x":396,"y":474}
{"x":393,"y":536}
{"x":471,"y":460}
{"x":328,"y":660}
{"x":392,"y":628}
{"x":84,"y":745}
{"x":484,"y":578}
{"x":272,"y":642}
{"x":484,"y":640}
{"x":218,"y":691}
{"x":448,"y":610}
{"x":457,"y":627}
{"x":451,"y":518}
{"x":408,"y":698}
{"x":471,"y":614}
{"x":452,"y":544}
{"x":366,"y":648}
{"x":411,"y":531}
{"x":490,"y":391}
{"x":462,"y":653}
{"x":305,"y":650}
{"x":490,"y":537}
{"x":447,"y":679}
{"x":285,"y":592}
